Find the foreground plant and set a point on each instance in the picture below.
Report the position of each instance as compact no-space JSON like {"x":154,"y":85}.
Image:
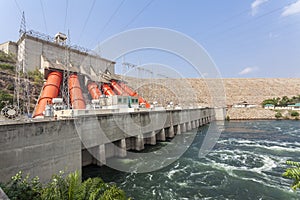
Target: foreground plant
{"x":61,"y":188}
{"x":293,"y":173}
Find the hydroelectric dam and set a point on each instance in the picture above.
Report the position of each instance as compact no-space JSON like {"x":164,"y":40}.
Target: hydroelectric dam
{"x":85,"y":113}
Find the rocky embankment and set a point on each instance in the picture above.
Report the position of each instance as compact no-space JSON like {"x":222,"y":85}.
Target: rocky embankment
{"x":250,"y":113}
{"x":196,"y":92}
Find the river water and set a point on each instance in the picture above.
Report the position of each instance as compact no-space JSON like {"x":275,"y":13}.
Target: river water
{"x":247,"y":162}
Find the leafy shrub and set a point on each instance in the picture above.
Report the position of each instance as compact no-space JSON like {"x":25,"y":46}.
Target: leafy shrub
{"x":6,"y":66}
{"x":294,"y":114}
{"x":60,"y":187}
{"x":4,"y":96}
{"x":293,"y":173}
{"x":4,"y":57}
{"x":22,"y":188}
{"x":36,"y":76}
{"x":278,"y":115}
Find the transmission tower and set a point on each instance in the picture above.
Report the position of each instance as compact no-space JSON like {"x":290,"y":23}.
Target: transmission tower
{"x":66,"y":75}
{"x":22,"y":87}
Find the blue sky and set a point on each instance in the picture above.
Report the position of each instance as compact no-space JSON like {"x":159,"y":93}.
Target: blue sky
{"x":249,"y":38}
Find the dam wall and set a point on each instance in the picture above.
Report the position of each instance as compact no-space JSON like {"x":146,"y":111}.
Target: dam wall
{"x":43,"y":148}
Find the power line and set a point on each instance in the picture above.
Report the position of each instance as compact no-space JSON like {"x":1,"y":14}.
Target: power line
{"x":44,"y":17}
{"x":18,"y":7}
{"x":221,"y":33}
{"x":235,"y":16}
{"x":111,"y":17}
{"x":66,"y":14}
{"x":87,"y":19}
{"x":138,"y":14}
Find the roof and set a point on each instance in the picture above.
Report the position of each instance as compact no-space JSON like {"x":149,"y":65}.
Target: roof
{"x":269,"y":105}
{"x":295,"y":105}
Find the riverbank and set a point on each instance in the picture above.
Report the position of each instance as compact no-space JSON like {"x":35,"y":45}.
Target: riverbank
{"x":255,"y":114}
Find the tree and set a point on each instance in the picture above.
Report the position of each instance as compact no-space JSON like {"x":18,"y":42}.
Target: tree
{"x":293,"y":173}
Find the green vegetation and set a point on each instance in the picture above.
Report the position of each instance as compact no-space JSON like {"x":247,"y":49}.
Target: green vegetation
{"x":284,"y":101}
{"x":227,"y":118}
{"x":4,"y":57}
{"x":294,"y":114}
{"x":293,"y":173}
{"x":36,"y":76}
{"x":278,"y":115}
{"x":68,"y":188}
{"x":5,"y":97}
{"x":7,"y":66}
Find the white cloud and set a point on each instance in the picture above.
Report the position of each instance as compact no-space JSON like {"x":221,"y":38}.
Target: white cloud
{"x":255,"y":5}
{"x":248,"y":70}
{"x":291,"y":9}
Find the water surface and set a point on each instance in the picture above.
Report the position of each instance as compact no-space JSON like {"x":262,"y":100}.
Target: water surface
{"x":246,"y":163}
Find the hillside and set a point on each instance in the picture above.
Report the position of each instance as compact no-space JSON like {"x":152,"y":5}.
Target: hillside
{"x":7,"y":82}
{"x":252,"y":90}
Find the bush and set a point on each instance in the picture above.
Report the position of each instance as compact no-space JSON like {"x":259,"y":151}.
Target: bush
{"x":293,"y":173}
{"x":68,"y":187}
{"x":36,"y":76}
{"x":278,"y":115}
{"x":4,"y":57}
{"x":227,"y":118}
{"x":5,"y":97}
{"x":5,"y":66}
{"x":294,"y":114}
{"x":22,"y":188}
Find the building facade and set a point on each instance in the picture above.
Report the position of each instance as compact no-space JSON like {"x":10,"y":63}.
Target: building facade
{"x":31,"y":51}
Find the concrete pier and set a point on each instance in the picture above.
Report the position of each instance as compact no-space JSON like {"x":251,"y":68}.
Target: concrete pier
{"x":161,"y":136}
{"x":171,"y":132}
{"x":43,"y":148}
{"x":189,"y":126}
{"x":102,"y":157}
{"x":139,"y":143}
{"x":183,"y":128}
{"x":153,"y":138}
{"x":178,"y":131}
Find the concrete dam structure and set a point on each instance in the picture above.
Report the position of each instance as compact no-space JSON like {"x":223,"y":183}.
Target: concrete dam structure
{"x":45,"y":147}
{"x":85,"y":113}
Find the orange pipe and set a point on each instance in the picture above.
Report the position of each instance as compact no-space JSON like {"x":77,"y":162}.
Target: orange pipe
{"x":50,"y":91}
{"x":76,"y":96}
{"x":128,"y":90}
{"x":118,"y":88}
{"x":94,"y":90}
{"x":107,"y":90}
{"x":134,"y":94}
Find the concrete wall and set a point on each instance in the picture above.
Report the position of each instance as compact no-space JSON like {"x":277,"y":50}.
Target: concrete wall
{"x":9,"y":47}
{"x":40,"y":148}
{"x":33,"y":48}
{"x":46,"y":147}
